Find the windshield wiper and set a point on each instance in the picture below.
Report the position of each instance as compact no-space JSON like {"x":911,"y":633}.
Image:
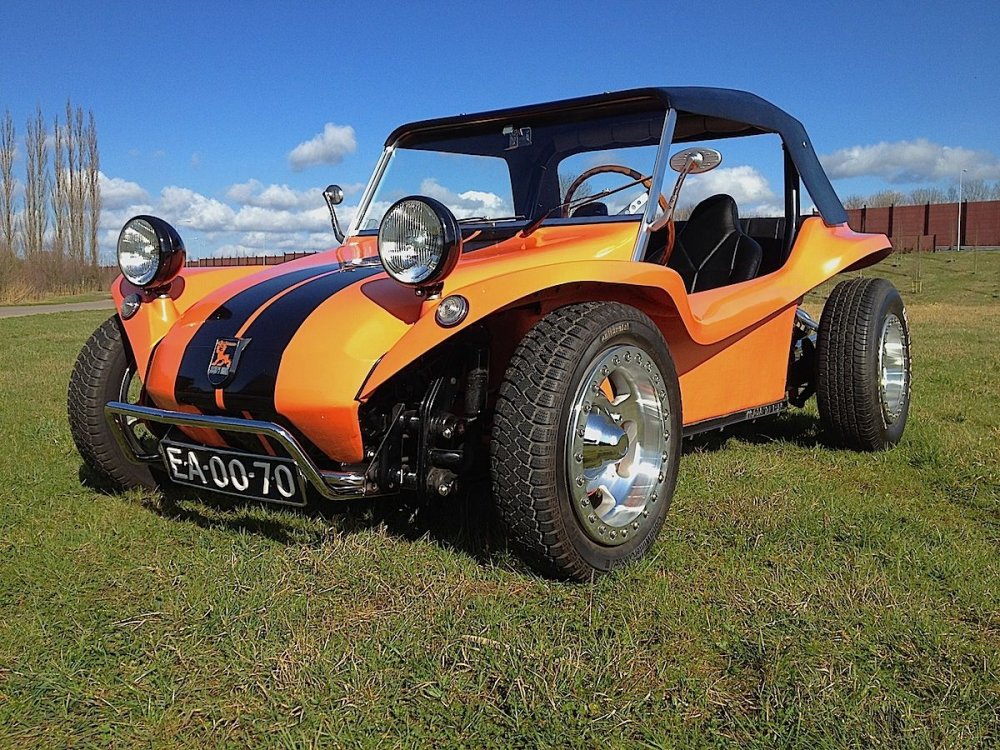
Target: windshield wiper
{"x":577,"y":203}
{"x":474,"y":219}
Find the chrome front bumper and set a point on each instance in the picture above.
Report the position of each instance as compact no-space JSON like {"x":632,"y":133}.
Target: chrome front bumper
{"x":333,"y":485}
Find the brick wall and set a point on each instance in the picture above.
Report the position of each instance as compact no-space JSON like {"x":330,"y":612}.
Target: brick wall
{"x":934,"y":223}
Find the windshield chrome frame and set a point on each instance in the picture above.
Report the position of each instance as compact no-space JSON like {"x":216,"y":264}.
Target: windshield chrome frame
{"x":369,"y":193}
{"x":656,"y":186}
{"x":648,"y":217}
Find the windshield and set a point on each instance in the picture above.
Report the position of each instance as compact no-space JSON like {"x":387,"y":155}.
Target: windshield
{"x":523,"y":170}
{"x":471,"y":186}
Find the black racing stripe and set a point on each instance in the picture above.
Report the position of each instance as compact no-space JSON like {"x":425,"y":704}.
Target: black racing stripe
{"x":252,"y":388}
{"x":191,"y":385}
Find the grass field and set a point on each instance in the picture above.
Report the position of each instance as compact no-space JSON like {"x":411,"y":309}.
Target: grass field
{"x":799,"y":596}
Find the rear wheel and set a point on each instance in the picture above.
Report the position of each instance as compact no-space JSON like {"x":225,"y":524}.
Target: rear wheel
{"x":863,"y":365}
{"x":586,"y":439}
{"x":105,"y":371}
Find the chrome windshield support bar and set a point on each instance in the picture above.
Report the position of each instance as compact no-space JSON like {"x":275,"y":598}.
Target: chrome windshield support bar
{"x":656,"y":187}
{"x":333,"y":485}
{"x":369,"y":192}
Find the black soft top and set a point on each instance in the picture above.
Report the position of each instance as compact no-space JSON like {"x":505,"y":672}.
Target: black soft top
{"x":703,"y":113}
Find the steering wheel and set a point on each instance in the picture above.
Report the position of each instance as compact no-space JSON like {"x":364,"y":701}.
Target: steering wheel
{"x":601,"y":169}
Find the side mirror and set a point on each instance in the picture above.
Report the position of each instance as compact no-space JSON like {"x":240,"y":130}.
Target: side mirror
{"x":334,"y":196}
{"x":689,"y":161}
{"x":695,"y":160}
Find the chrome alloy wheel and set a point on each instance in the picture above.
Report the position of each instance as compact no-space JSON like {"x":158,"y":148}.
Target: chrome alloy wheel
{"x":894,"y":371}
{"x":616,"y":447}
{"x":143,"y":442}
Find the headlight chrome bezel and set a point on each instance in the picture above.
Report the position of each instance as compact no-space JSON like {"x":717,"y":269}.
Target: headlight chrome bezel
{"x":165,"y":249}
{"x":415,"y":209}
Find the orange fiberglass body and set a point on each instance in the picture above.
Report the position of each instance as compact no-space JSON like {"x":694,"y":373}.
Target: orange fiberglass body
{"x":739,"y":334}
{"x":512,"y":321}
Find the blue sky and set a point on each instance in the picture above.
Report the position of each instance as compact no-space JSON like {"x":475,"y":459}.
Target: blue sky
{"x":200,"y":106}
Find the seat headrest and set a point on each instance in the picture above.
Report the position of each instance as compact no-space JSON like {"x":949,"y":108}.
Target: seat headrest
{"x":591,"y":209}
{"x":719,"y":211}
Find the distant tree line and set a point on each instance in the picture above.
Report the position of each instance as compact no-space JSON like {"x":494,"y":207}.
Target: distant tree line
{"x":49,"y":220}
{"x":972,"y":191}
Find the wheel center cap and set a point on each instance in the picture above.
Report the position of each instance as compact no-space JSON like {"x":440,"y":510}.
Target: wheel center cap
{"x":604,"y":441}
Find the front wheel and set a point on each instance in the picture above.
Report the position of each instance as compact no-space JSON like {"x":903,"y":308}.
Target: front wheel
{"x":863,"y":365}
{"x":105,"y":371}
{"x":587,"y":439}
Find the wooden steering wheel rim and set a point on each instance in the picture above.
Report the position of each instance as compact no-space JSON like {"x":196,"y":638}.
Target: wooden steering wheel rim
{"x":601,"y":169}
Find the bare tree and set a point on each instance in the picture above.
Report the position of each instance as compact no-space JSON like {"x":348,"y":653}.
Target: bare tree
{"x":73,"y":212}
{"x":920,"y":196}
{"x":886,"y":198}
{"x":8,"y":144}
{"x":855,"y":201}
{"x":93,"y":187}
{"x":36,"y":185}
{"x":60,"y":189}
{"x":976,"y":190}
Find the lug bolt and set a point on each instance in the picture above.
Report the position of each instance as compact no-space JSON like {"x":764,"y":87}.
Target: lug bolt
{"x":635,"y":526}
{"x":612,"y":535}
{"x":601,"y":531}
{"x":581,"y":432}
{"x":447,"y":433}
{"x":578,"y":457}
{"x":592,"y":518}
{"x":580,"y":481}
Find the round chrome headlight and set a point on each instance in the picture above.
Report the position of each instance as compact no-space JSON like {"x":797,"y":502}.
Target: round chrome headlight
{"x":419,"y":241}
{"x":150,"y":252}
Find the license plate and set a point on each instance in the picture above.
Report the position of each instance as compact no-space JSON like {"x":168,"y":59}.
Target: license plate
{"x":246,"y":475}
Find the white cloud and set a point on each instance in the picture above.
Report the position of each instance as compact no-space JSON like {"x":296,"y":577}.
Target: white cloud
{"x":256,"y":218}
{"x":254,"y":193}
{"x":328,"y":147}
{"x":118,"y":193}
{"x":917,"y":161}
{"x":194,"y":210}
{"x":749,"y":188}
{"x":468,"y":203}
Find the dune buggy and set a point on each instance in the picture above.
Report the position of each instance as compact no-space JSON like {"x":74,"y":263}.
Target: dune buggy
{"x":520,"y":294}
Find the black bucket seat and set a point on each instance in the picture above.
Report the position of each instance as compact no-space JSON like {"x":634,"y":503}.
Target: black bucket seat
{"x":712,"y":250}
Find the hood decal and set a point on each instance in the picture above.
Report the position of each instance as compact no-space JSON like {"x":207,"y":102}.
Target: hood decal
{"x":192,"y":385}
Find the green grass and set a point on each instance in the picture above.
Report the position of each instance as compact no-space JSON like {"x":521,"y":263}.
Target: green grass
{"x":799,"y":596}
{"x":60,"y":299}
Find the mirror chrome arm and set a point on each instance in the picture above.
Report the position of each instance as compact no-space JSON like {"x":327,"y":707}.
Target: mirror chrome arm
{"x":334,"y":196}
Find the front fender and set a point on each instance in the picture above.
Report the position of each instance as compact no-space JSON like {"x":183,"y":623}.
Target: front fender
{"x":159,"y":312}
{"x":820,"y":252}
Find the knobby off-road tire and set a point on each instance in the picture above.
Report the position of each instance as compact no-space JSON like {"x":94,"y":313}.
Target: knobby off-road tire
{"x":586,"y":440}
{"x":105,"y":371}
{"x":863,"y":365}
